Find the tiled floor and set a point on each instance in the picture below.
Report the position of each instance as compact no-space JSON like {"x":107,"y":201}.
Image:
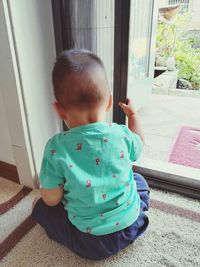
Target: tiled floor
{"x":161,"y":120}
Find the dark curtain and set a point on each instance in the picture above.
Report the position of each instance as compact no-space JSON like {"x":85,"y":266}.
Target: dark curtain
{"x":77,"y":24}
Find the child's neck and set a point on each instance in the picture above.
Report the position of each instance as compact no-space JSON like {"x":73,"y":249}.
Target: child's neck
{"x":83,"y":118}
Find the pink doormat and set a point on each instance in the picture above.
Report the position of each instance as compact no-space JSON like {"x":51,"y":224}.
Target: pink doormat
{"x":186,"y":148}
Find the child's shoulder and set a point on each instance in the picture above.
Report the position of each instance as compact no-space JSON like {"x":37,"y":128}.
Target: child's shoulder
{"x":56,"y":146}
{"x":56,"y":139}
{"x":121,"y":128}
{"x":130,"y":136}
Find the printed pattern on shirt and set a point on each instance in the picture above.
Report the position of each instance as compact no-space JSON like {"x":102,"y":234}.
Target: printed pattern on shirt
{"x":101,"y":183}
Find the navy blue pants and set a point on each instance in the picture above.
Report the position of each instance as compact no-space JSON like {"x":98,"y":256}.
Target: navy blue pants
{"x":58,"y":227}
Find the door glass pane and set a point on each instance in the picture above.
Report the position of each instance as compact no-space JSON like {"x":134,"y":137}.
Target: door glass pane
{"x":140,"y":31}
{"x":170,"y":117}
{"x":139,"y":38}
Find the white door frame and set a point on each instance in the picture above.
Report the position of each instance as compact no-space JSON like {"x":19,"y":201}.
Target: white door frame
{"x":28,"y":53}
{"x":13,"y":101}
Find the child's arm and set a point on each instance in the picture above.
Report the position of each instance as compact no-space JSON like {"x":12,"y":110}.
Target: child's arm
{"x":52,"y":196}
{"x":133,"y":122}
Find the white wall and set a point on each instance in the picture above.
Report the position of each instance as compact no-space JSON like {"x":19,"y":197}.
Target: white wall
{"x":6,"y":153}
{"x":195,"y":8}
{"x":32,"y":24}
{"x":13,"y":102}
{"x":28,"y":52}
{"x":162,"y":3}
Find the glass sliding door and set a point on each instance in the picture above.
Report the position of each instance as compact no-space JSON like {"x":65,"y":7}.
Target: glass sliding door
{"x":141,"y":58}
{"x":123,"y":34}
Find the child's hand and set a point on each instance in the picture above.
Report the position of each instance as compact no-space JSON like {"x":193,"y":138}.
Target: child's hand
{"x":127,"y":108}
{"x":133,"y":121}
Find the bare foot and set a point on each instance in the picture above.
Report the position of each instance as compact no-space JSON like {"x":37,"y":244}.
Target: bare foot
{"x":34,"y":202}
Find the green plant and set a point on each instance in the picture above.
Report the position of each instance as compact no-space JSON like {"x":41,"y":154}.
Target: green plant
{"x":168,"y":34}
{"x":170,"y":42}
{"x":188,"y":62}
{"x":164,"y":39}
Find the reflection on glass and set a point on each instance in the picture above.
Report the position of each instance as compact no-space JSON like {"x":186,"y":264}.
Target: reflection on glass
{"x":139,"y":38}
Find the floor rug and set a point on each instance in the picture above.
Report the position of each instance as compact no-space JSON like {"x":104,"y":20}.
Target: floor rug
{"x":8,"y":189}
{"x":186,"y":148}
{"x":11,"y":193}
{"x":15,"y":208}
{"x":172,"y":240}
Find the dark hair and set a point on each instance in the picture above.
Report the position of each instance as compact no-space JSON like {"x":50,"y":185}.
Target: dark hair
{"x":75,"y":79}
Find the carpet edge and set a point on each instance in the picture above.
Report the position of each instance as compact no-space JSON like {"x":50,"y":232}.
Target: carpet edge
{"x":20,"y":231}
{"x":9,"y":204}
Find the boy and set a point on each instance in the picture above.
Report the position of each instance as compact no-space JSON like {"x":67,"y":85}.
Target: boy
{"x":91,"y":201}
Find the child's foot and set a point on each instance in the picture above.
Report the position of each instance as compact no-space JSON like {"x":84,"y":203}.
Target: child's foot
{"x":34,"y":202}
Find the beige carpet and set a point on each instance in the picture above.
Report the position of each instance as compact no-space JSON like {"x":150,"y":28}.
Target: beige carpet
{"x":171,"y":240}
{"x":8,"y":189}
{"x":16,"y":215}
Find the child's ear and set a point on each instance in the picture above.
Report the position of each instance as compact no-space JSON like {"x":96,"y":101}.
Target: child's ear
{"x":60,"y":110}
{"x":110,"y":102}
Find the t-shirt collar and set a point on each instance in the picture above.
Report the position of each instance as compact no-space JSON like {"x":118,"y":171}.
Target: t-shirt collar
{"x":90,"y":126}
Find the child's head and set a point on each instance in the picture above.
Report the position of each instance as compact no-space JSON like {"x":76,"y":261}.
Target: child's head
{"x":80,"y":83}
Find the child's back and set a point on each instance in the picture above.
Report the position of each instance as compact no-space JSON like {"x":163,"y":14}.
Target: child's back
{"x":92,"y":161}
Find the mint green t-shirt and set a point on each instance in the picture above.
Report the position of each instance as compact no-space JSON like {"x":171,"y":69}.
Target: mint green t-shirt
{"x":94,"y":163}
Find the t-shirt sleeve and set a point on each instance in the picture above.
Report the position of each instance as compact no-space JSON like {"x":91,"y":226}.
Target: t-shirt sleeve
{"x":134,"y":143}
{"x":50,"y":173}
{"x":136,"y":146}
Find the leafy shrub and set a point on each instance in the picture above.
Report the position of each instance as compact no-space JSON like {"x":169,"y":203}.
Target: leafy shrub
{"x":188,"y":63}
{"x":171,"y":41}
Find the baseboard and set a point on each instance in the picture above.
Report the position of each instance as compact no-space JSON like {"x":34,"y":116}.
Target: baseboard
{"x":9,"y":172}
{"x":171,"y":177}
{"x":173,"y":187}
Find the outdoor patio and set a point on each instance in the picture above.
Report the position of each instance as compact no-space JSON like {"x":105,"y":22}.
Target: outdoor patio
{"x":161,"y":120}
